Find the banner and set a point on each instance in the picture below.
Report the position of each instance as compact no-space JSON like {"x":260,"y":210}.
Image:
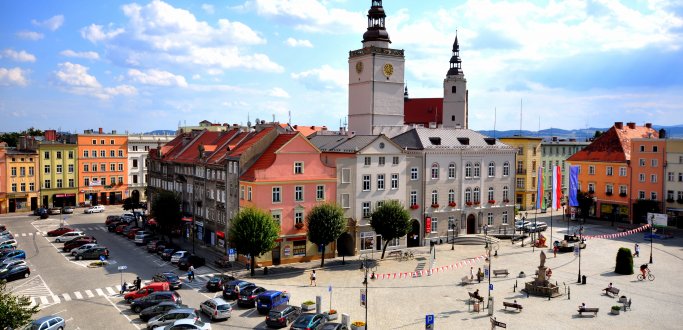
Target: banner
{"x":424,"y":272}
{"x":539,"y":192}
{"x":616,"y":235}
{"x":557,"y":188}
{"x":573,"y":185}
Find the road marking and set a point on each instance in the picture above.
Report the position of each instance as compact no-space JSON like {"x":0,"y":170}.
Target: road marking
{"x":89,"y":293}
{"x":56,"y":299}
{"x":66,"y":297}
{"x":100,"y":292}
{"x":110,"y":290}
{"x":78,"y":295}
{"x":121,"y":312}
{"x":43,"y":300}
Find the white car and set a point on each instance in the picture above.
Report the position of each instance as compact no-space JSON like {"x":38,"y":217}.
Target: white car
{"x":83,"y":248}
{"x":68,"y":236}
{"x":187,"y":324}
{"x":8,"y":263}
{"x":177,"y":256}
{"x":521,"y":225}
{"x":11,"y":242}
{"x":95,"y":209}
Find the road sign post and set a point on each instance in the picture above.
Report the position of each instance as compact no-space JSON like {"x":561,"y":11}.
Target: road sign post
{"x":329,"y":289}
{"x":121,"y":269}
{"x":429,"y":321}
{"x":363,"y":298}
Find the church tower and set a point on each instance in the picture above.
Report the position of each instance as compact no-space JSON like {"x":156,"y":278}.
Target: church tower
{"x":376,"y":79}
{"x":455,"y":92}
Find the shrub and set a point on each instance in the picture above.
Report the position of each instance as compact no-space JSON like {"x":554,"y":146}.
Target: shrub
{"x":308,"y":302}
{"x":624,"y":264}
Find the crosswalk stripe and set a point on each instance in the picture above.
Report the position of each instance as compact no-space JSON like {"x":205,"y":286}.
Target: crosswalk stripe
{"x":33,"y":301}
{"x":56,"y":299}
{"x":110,"y":290}
{"x":30,"y":234}
{"x":66,"y":297}
{"x":78,"y":295}
{"x":43,"y":300}
{"x":89,"y":293}
{"x":100,"y":292}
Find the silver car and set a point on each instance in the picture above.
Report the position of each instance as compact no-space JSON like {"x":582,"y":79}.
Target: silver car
{"x":51,"y":322}
{"x":216,"y":308}
{"x":69,"y":236}
{"x":171,"y":316}
{"x":83,"y":248}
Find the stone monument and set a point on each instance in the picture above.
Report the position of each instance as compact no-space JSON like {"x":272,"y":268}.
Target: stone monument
{"x":540,"y":286}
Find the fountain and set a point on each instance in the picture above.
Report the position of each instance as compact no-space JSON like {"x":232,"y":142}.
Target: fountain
{"x":540,"y":286}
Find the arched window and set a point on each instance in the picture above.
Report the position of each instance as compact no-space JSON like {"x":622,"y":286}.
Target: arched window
{"x":468,"y":170}
{"x":492,"y":169}
{"x":505,"y":194}
{"x":477,"y":170}
{"x":468,"y":195}
{"x":506,"y":168}
{"x":451,"y":196}
{"x":476,"y":195}
{"x":435,"y":171}
{"x":451,"y":171}
{"x":435,"y":197}
{"x":490,"y":195}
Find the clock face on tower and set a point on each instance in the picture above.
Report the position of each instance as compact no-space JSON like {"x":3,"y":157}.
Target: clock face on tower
{"x":388,"y":69}
{"x":359,"y":67}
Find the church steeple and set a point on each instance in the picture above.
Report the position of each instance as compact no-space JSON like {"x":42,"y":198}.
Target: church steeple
{"x":376,"y":29}
{"x":456,"y":63}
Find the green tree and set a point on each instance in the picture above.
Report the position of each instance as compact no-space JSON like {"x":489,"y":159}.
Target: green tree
{"x":624,"y":264}
{"x":253,"y":231}
{"x":325,"y":223}
{"x":391,"y":220}
{"x":15,"y":311}
{"x":129,"y":204}
{"x":166,"y":211}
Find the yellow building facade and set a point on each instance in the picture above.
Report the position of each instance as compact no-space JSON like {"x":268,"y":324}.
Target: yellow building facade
{"x":527,"y":161}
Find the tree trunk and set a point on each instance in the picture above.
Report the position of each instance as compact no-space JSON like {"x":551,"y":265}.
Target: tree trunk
{"x":384,"y":249}
{"x":322,"y":260}
{"x":253,"y":263}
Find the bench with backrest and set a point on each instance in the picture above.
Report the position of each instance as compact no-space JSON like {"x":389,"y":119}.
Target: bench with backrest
{"x":396,"y":254}
{"x":497,"y":272}
{"x":473,"y":296}
{"x":467,"y":280}
{"x":593,"y":310}
{"x":614,"y":291}
{"x":512,"y":305}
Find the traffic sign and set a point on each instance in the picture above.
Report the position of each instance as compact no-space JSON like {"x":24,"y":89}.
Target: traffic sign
{"x":102,"y":258}
{"x":363,"y":298}
{"x":123,"y":267}
{"x":329,"y":288}
{"x":486,"y":271}
{"x":429,"y":321}
{"x":491,"y":286}
{"x":232,"y":255}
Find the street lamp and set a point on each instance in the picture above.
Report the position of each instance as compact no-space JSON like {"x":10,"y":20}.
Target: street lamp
{"x":652,"y":223}
{"x":365,"y":265}
{"x":580,"y":241}
{"x":451,"y":223}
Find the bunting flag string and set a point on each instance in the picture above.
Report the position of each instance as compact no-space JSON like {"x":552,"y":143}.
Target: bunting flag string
{"x":615,"y":235}
{"x":423,"y":272}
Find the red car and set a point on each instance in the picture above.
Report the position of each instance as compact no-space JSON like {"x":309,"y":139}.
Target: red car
{"x":75,"y":243}
{"x":59,"y":231}
{"x":132,"y":232}
{"x":119,"y":229}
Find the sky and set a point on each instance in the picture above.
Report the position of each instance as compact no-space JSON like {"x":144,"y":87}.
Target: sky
{"x":139,"y":66}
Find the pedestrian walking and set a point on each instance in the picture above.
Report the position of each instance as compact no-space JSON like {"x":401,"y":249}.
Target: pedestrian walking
{"x":123,"y":287}
{"x":471,"y":273}
{"x":480,"y":275}
{"x":313,"y":283}
{"x":137,"y":283}
{"x":555,"y":248}
{"x":190,"y":273}
{"x":637,"y":249}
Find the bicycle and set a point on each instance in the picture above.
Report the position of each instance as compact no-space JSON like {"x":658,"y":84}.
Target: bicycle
{"x":649,"y":276}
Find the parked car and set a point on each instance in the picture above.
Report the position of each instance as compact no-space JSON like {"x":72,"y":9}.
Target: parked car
{"x":309,"y":321}
{"x":154,"y":298}
{"x":10,"y":242}
{"x":78,"y":242}
{"x":229,"y":289}
{"x":8,"y":263}
{"x":270,"y":299}
{"x":120,"y":228}
{"x":216,"y":309}
{"x":111,"y":227}
{"x":6,"y":235}
{"x":247,"y":298}
{"x":59,"y":231}
{"x":68,"y":210}
{"x":186,"y":324}
{"x":15,"y":272}
{"x":191,"y":260}
{"x":95,"y":209}
{"x":282,"y":315}
{"x":93,"y":253}
{"x":152,"y":245}
{"x":216,"y":282}
{"x":16,"y":254}
{"x":334,"y":326}
{"x":159,"y":309}
{"x":51,"y":322}
{"x":112,"y":218}
{"x":54,"y":211}
{"x":146,"y":290}
{"x":170,"y":277}
{"x":171,"y":316}
{"x":536,"y":227}
{"x":68,"y":236}
{"x":132,"y":232}
{"x":83,"y":248}
{"x":142,"y":237}
{"x":131,"y":228}
{"x":167,"y":254}
{"x":166,"y":245}
{"x":5,"y":249}
{"x":521,"y":225}
{"x":41,"y":212}
{"x":177,"y":255}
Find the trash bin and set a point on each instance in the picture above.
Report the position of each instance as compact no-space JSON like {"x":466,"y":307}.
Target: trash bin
{"x":583,"y":279}
{"x":475,"y":307}
{"x":490,"y":306}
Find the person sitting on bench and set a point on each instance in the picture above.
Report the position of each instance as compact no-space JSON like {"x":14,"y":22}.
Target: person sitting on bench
{"x":582,"y":306}
{"x":476,"y":294}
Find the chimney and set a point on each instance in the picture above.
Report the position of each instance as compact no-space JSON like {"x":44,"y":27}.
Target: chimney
{"x":554,"y":138}
{"x":113,"y":131}
{"x":100,"y":130}
{"x":631,"y":125}
{"x":662,"y":133}
{"x":50,"y":135}
{"x":648,"y":125}
{"x":619,"y":125}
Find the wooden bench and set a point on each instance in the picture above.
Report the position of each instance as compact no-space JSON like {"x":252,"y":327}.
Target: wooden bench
{"x":396,"y":254}
{"x":614,"y":291}
{"x":589,"y":310}
{"x":512,"y":305}
{"x":497,"y":272}
{"x":466,"y":280}
{"x":472,"y":297}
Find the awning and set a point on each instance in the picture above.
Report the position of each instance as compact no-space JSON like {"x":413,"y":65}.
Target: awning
{"x":64,"y":195}
{"x":152,"y":222}
{"x":220,"y":234}
{"x":300,"y":238}
{"x":187,"y":219}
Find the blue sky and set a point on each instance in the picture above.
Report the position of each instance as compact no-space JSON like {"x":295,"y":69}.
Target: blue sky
{"x":146,"y":65}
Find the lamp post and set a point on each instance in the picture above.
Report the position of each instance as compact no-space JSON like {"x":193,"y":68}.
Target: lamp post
{"x":580,"y":241}
{"x":365,"y":265}
{"x":451,"y":223}
{"x":652,"y":223}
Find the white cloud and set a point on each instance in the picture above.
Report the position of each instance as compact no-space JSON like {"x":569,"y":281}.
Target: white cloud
{"x":53,"y":23}
{"x":84,"y":55}
{"x":30,"y":35}
{"x":13,"y":76}
{"x":324,"y":77}
{"x":157,"y":78}
{"x":76,"y":79}
{"x":298,"y":43}
{"x":95,"y":33}
{"x":19,"y":56}
{"x":209,"y":9}
{"x":279,"y":92}
{"x":309,"y":15}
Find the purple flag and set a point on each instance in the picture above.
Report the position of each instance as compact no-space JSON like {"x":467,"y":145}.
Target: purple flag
{"x":573,"y":185}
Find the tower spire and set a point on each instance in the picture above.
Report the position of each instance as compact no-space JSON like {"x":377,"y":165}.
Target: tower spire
{"x":376,"y":29}
{"x":456,"y":62}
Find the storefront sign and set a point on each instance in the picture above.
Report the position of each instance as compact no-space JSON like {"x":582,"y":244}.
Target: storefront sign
{"x":288,"y":250}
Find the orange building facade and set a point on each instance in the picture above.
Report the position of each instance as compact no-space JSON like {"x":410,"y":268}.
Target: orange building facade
{"x":648,"y":156}
{"x":102,"y":168}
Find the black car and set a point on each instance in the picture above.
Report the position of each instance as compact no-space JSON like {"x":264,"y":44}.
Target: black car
{"x":93,"y":253}
{"x":170,"y":277}
{"x":154,"y":298}
{"x":15,"y":272}
{"x":309,"y":321}
{"x":42,"y":212}
{"x":247,"y":297}
{"x":191,"y":260}
{"x":158,"y":309}
{"x":153,"y":244}
{"x":217,"y":281}
{"x":167,"y":253}
{"x":229,"y":289}
{"x":282,"y":315}
{"x":334,"y":326}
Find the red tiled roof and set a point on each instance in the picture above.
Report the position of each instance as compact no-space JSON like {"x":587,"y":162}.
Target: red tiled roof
{"x":268,"y":156}
{"x":423,"y":111}
{"x":190,"y":153}
{"x":613,"y":145}
{"x":221,"y":147}
{"x":308,"y":130}
{"x":249,"y":141}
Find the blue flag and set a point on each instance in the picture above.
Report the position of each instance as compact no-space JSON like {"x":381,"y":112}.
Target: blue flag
{"x":573,"y":185}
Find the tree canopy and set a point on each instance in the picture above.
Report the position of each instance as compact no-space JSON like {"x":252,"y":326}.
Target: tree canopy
{"x":325,"y":223}
{"x":166,"y":211}
{"x":15,"y":311}
{"x":253,"y":231}
{"x":391,"y":220}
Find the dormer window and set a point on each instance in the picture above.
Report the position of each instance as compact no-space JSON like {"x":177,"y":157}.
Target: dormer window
{"x":298,"y":167}
{"x":435,"y":141}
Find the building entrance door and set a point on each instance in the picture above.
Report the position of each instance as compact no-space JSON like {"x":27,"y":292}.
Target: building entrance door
{"x":276,"y":253}
{"x":471,"y":224}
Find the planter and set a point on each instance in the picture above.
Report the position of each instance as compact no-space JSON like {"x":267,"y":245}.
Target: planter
{"x":299,"y":225}
{"x":615,"y":310}
{"x":436,"y":206}
{"x":452,"y":204}
{"x":308,"y":306}
{"x":414,"y":206}
{"x":332,"y":317}
{"x":623,"y":299}
{"x":358,"y":325}
{"x":492,"y":202}
{"x":468,"y":203}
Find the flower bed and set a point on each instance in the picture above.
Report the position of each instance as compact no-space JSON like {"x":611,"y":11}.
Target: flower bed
{"x":414,"y":206}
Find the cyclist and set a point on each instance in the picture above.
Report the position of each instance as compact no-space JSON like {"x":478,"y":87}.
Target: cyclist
{"x":644,"y":270}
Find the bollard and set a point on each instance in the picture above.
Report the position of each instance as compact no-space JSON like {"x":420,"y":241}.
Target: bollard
{"x":569,"y":293}
{"x":318,"y":304}
{"x":346,"y":320}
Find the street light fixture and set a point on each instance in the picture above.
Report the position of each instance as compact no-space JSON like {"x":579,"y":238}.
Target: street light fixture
{"x":451,"y":223}
{"x":365,"y":265}
{"x":652,"y":223}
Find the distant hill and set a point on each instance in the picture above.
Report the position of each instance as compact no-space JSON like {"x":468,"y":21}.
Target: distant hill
{"x":579,"y":134}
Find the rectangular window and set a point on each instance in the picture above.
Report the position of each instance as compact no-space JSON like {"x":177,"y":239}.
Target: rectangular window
{"x":622,"y":171}
{"x":71,"y":183}
{"x":413,"y":198}
{"x":71,"y":154}
{"x":609,"y":189}
{"x":435,"y":225}
{"x":395,"y":160}
{"x":249,"y":193}
{"x":59,"y":183}
{"x":298,"y":167}
{"x":489,"y":219}
{"x":135,"y":179}
{"x":120,"y":167}
{"x":112,"y":167}
{"x":670,"y":176}
{"x":366,"y":210}
{"x":120,"y":153}
{"x":135,"y":163}
{"x":413,"y":173}
{"x":653,"y":195}
{"x":505,"y":217}
{"x":277,"y":216}
{"x":111,"y":141}
{"x":86,"y":181}
{"x":31,"y":186}
{"x":94,"y":153}
{"x":299,"y":193}
{"x":14,"y":187}
{"x":380,"y":181}
{"x":669,"y":194}
{"x":86,"y":168}
{"x":642,"y":148}
{"x":103,"y":167}
{"x":367,"y":161}
{"x":14,"y":171}
{"x":112,"y":153}
{"x":47,"y":185}
{"x":242,"y":189}
{"x":366,"y":182}
{"x":103,"y":153}
{"x":135,"y":148}
{"x":46,"y":155}
{"x":102,"y":141}
{"x":346,"y":175}
{"x":653,"y":178}
{"x":622,"y":190}
{"x":520,"y":183}
{"x":381,"y":161}
{"x":46,"y":168}
{"x":58,"y":154}
{"x":655,"y":163}
{"x":345,"y":201}
{"x":23,"y":187}
{"x":58,"y":168}
{"x":71,"y":168}
{"x":276,"y":195}
{"x":103,"y":181}
{"x":22,"y":171}
{"x":642,"y":162}
{"x":320,"y":192}
{"x":641,"y":177}
{"x":641,"y":195}
{"x":85,"y":153}
{"x":591,"y":170}
{"x":367,"y":240}
{"x":591,"y":187}
{"x":298,"y":216}
{"x":94,"y":141}
{"x":394,"y":181}
{"x":609,"y":170}
{"x":299,"y":248}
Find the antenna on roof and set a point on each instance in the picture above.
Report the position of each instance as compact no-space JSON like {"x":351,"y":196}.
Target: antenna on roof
{"x":289,"y":120}
{"x":494,"y":121}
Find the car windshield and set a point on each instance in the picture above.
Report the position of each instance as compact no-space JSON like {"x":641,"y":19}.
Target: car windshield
{"x":304,"y":320}
{"x":274,"y":314}
{"x":171,"y":277}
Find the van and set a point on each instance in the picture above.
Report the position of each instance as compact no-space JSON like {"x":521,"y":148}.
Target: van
{"x":269,"y":299}
{"x":146,"y":290}
{"x":142,"y":237}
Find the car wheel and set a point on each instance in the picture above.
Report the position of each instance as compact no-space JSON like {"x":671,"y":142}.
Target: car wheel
{"x":26,"y":274}
{"x":137,"y":309}
{"x":79,"y":257}
{"x":60,"y":328}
